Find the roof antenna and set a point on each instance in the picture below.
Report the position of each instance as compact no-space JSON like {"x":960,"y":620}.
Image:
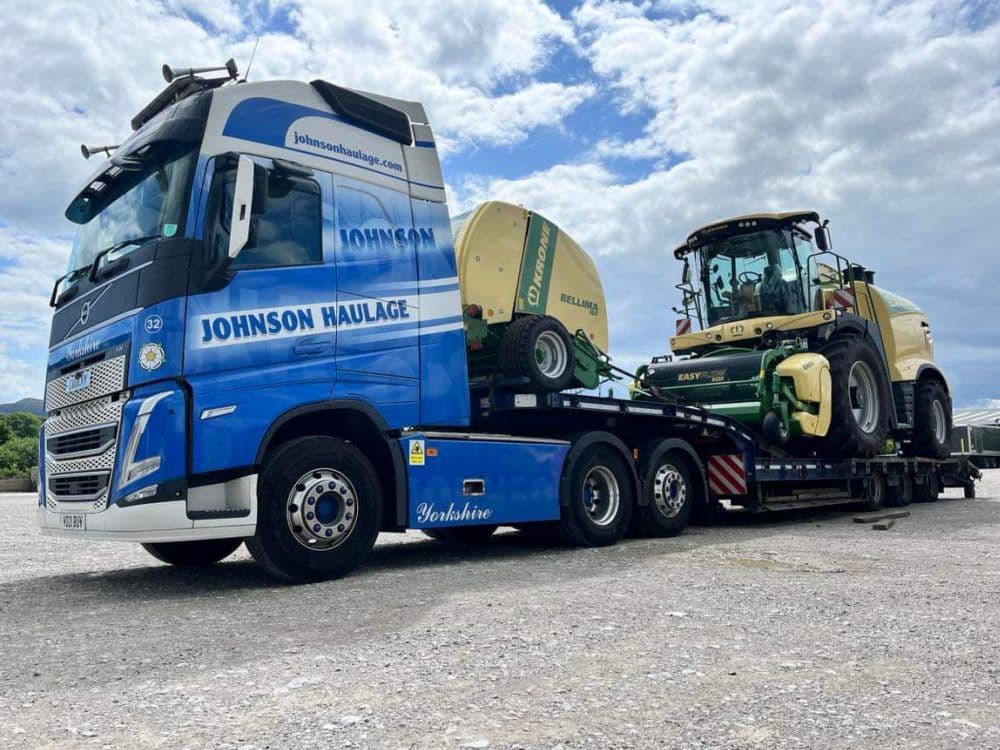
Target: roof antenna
{"x":246,"y":74}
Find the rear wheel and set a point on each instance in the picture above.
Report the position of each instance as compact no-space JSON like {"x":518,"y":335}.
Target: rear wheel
{"x":669,"y":493}
{"x":319,"y":510}
{"x":540,"y":348}
{"x":597,"y":498}
{"x":931,"y":420}
{"x":196,"y":554}
{"x":461,"y":534}
{"x":875,"y":492}
{"x":928,"y":490}
{"x":901,"y":494}
{"x":859,"y":400}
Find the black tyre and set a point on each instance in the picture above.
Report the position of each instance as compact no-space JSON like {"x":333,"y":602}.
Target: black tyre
{"x":196,"y":554}
{"x":875,"y":492}
{"x":597,"y":497}
{"x":461,"y":534}
{"x":774,"y":429}
{"x":969,"y":491}
{"x":669,"y":491}
{"x":928,"y":490}
{"x":860,"y":400}
{"x":901,"y":494}
{"x":319,"y":510}
{"x":931,"y":420}
{"x":540,"y":348}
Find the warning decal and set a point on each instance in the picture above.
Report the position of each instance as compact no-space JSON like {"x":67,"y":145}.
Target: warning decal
{"x":417,"y":453}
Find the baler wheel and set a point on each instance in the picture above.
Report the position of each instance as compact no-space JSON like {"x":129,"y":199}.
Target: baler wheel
{"x":540,"y":348}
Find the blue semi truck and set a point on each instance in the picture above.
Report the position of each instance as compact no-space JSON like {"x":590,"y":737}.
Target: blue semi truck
{"x":260,"y":338}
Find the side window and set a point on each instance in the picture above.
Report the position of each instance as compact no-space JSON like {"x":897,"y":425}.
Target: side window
{"x":289,"y":231}
{"x":287,"y":228}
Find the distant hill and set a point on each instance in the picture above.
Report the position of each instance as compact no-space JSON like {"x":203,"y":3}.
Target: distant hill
{"x":30,"y":405}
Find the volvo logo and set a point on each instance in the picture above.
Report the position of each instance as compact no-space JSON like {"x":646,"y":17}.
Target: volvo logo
{"x":84,"y":312}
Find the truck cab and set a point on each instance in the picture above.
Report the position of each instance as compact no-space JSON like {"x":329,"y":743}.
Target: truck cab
{"x":255,"y":256}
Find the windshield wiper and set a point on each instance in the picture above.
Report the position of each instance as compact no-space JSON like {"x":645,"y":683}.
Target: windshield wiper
{"x":69,"y":292}
{"x":97,"y":273}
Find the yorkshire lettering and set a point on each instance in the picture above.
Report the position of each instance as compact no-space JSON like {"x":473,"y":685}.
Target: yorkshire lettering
{"x":428,"y":513}
{"x":265,"y":324}
{"x":385,"y":239}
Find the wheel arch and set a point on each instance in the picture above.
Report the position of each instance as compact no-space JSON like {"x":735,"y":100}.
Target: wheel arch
{"x":930,"y":371}
{"x":358,"y":423}
{"x":582,"y":441}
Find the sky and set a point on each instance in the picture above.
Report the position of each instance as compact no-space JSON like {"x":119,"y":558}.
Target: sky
{"x":628,"y":124}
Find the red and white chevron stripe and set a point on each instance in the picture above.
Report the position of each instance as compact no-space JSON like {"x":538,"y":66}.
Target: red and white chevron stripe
{"x":843,"y":298}
{"x":683,"y":326}
{"x":727,"y":475}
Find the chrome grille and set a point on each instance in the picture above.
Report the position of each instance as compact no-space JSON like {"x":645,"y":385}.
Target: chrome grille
{"x":107,"y":376}
{"x":80,"y":446}
{"x":82,"y":443}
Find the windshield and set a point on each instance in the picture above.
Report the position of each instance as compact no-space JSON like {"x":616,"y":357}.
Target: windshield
{"x":148,"y":201}
{"x":751,"y":275}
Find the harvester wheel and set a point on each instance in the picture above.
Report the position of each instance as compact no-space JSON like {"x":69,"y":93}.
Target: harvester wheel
{"x":931,"y":420}
{"x":860,"y":399}
{"x":540,"y":348}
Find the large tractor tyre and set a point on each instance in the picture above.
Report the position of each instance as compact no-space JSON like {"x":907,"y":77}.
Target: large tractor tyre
{"x":859,"y":401}
{"x":597,"y":498}
{"x":931,"y":421}
{"x":540,"y":348}
{"x":197,"y":554}
{"x":901,"y":494}
{"x":461,"y":534}
{"x":670,"y":493}
{"x":928,"y":490}
{"x":319,"y":510}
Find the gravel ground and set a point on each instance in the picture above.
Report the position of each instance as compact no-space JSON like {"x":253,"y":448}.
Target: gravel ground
{"x":798,"y":631}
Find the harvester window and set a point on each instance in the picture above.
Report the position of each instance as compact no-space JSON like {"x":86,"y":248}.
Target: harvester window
{"x":751,"y":275}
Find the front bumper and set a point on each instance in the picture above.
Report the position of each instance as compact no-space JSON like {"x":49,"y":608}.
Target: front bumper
{"x":162,"y":521}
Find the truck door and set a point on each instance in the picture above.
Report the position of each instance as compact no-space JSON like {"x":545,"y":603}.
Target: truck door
{"x":378,"y":303}
{"x":259,"y":337}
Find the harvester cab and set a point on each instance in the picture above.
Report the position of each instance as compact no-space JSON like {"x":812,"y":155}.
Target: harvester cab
{"x":798,"y":342}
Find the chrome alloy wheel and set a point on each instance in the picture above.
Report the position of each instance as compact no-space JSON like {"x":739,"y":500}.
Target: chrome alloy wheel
{"x":551,"y":354}
{"x":322,"y":509}
{"x":863,"y":389}
{"x":669,"y":490}
{"x":601,"y":495}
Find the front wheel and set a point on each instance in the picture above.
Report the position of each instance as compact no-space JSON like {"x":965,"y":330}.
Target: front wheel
{"x":596,"y":498}
{"x":197,"y":554}
{"x":859,"y":400}
{"x":319,"y":510}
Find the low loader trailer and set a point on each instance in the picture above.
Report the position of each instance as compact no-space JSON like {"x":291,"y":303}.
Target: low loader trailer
{"x":271,"y":333}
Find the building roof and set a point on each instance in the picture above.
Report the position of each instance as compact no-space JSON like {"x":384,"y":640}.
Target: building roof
{"x":989,"y":417}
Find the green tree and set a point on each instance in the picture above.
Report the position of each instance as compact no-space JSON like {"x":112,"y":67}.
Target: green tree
{"x":5,"y":432}
{"x":23,"y":425}
{"x":17,"y":456}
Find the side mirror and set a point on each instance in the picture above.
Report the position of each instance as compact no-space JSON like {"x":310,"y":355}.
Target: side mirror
{"x":243,"y":205}
{"x":686,"y":273}
{"x":822,"y":237}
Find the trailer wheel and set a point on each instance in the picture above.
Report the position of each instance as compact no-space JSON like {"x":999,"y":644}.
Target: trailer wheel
{"x":319,"y":510}
{"x":929,"y":489}
{"x":540,"y":348}
{"x":196,"y":554}
{"x":859,"y":400}
{"x":669,"y":491}
{"x":460,"y":534}
{"x":901,"y":494}
{"x":597,"y":498}
{"x":931,"y":421}
{"x":969,"y":491}
{"x":875,"y":492}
